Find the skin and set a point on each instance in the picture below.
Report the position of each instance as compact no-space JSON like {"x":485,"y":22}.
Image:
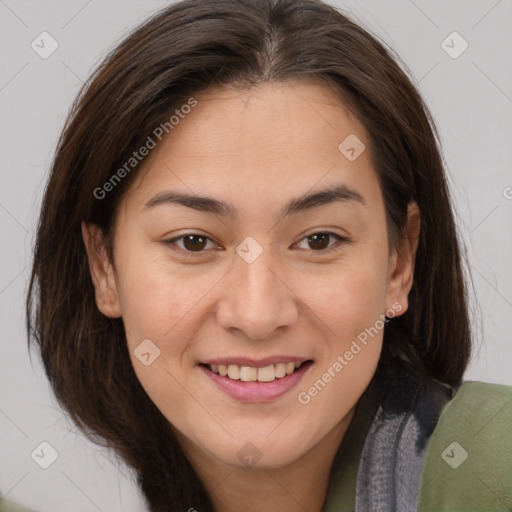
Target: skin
{"x":256,"y":150}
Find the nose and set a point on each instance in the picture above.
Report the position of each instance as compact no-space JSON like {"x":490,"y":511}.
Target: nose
{"x":257,"y":299}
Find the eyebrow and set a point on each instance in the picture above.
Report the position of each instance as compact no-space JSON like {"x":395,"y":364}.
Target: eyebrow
{"x":339,"y":193}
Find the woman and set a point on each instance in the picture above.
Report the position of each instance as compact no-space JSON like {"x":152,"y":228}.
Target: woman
{"x":247,"y":279}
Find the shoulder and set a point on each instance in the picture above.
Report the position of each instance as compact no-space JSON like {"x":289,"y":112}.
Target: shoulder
{"x":469,"y":459}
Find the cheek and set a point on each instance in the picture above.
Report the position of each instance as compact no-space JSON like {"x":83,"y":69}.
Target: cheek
{"x":155,"y":296}
{"x":159,"y":306}
{"x":351,"y":296}
{"x":150,"y":306}
{"x":350,"y":306}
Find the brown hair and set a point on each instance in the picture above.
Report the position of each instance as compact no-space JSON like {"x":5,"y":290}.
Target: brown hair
{"x":180,"y":51}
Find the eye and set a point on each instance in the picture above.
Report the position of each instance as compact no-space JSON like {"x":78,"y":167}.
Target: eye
{"x":319,"y":242}
{"x":192,"y":243}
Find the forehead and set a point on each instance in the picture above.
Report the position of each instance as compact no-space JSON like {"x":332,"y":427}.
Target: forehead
{"x":269,"y":141}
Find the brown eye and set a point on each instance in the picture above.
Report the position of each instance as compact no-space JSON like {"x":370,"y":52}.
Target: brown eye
{"x":321,"y":241}
{"x":194,"y":242}
{"x":191,"y":243}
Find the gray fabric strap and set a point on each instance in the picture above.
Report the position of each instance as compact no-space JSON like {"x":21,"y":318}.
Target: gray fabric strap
{"x":391,"y":463}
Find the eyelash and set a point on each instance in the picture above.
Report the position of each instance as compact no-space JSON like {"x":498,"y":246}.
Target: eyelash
{"x":339,"y":241}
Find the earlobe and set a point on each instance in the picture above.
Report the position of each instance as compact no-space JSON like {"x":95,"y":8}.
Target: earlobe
{"x":401,"y":269}
{"x":101,"y":270}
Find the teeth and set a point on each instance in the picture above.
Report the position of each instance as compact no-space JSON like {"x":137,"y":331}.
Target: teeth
{"x":234,"y":371}
{"x":280,"y":370}
{"x":267,"y":373}
{"x":250,"y":374}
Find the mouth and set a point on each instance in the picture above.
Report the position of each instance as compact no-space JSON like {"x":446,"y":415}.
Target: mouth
{"x":262,"y":382}
{"x":267,"y":373}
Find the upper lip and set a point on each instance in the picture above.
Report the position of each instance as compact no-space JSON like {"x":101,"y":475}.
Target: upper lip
{"x":256,"y":363}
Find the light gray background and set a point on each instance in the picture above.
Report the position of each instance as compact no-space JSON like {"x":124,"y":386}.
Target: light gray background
{"x":470,"y":97}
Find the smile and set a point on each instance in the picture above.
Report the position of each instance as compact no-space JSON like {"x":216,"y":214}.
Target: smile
{"x":250,"y":374}
{"x":256,"y":383}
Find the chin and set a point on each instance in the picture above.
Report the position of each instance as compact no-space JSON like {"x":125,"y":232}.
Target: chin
{"x":260,"y":452}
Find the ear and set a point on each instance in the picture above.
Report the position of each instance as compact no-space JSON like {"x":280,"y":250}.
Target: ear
{"x":102,"y":274}
{"x":401,"y":264}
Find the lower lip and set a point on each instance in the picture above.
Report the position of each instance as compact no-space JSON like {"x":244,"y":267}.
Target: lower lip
{"x":257,"y":391}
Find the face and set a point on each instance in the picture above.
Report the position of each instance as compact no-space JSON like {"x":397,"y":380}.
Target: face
{"x":285,"y":266}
